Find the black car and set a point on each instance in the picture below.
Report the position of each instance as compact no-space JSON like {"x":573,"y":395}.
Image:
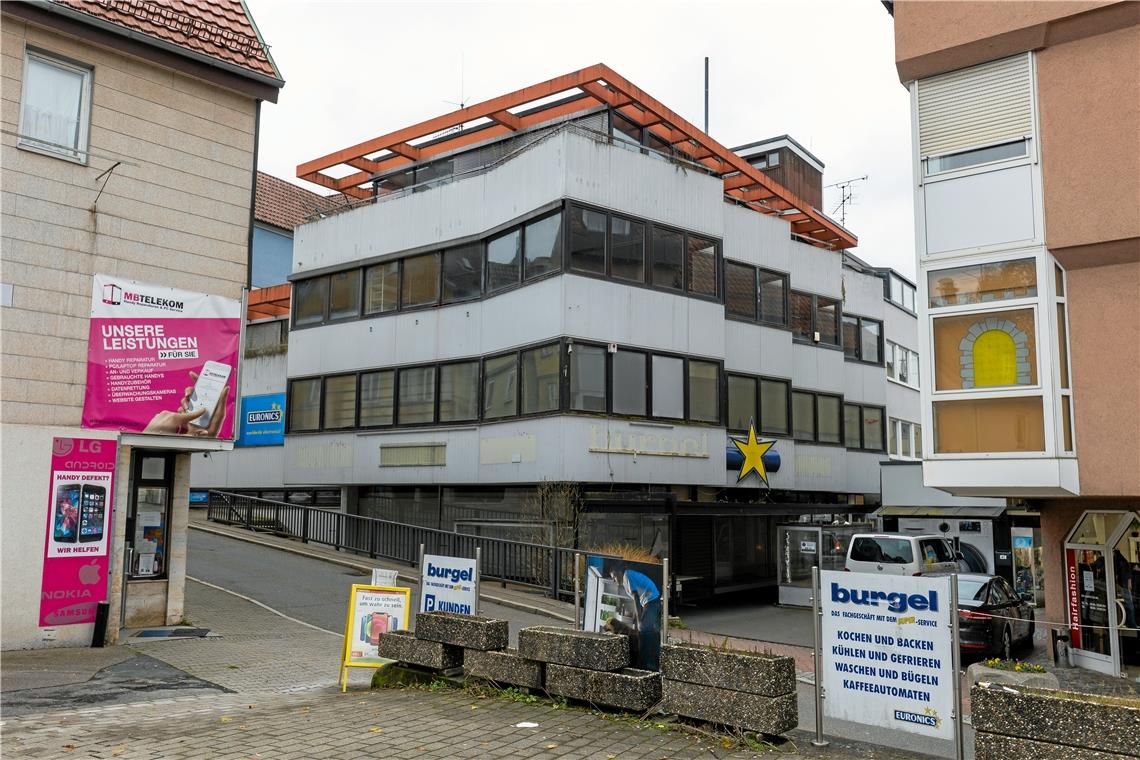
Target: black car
{"x":992,"y":618}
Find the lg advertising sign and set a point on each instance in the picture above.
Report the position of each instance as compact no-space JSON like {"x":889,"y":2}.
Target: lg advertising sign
{"x":161,"y":360}
{"x":887,"y":651}
{"x":449,"y":584}
{"x":76,"y":547}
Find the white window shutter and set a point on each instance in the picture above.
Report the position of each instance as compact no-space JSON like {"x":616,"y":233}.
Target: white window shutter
{"x":982,"y":105}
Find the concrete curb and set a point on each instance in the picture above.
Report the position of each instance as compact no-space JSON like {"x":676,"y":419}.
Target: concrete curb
{"x":365,"y":566}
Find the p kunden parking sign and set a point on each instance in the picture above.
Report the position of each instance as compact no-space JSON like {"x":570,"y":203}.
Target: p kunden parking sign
{"x":887,"y":646}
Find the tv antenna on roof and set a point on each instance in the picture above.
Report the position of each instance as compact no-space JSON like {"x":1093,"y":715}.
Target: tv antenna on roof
{"x":846,"y":196}
{"x":461,"y":103}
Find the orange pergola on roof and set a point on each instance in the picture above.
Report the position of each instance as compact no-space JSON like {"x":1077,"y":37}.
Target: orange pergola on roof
{"x":266,"y":303}
{"x":579,"y":91}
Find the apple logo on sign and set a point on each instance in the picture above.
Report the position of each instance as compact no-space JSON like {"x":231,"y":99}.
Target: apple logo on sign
{"x":89,"y":573}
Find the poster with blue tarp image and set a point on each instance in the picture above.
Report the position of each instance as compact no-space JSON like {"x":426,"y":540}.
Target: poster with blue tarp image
{"x":624,"y":597}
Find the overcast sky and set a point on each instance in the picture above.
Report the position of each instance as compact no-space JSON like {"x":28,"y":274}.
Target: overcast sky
{"x":822,"y":72}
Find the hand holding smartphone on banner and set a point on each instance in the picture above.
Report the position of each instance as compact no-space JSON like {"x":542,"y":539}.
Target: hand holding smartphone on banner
{"x":203,"y":407}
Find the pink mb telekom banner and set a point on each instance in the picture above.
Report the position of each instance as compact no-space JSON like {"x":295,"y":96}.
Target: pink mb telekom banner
{"x":76,"y":548}
{"x":161,"y":360}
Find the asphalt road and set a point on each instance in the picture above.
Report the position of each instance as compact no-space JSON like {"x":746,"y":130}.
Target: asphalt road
{"x":309,"y":590}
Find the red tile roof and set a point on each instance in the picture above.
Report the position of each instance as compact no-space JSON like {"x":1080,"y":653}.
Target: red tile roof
{"x":220,"y":29}
{"x":286,"y":205}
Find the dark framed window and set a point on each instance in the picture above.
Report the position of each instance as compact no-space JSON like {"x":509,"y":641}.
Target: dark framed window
{"x":862,"y":339}
{"x":704,"y":391}
{"x":312,"y":298}
{"x":304,"y":405}
{"x":344,"y":295}
{"x":668,"y":386}
{"x":701,"y":266}
{"x":811,"y":314}
{"x":587,"y":378}
{"x":340,"y":402}
{"x":773,"y":297}
{"x":416,"y":395}
{"x":852,"y":426}
{"x":500,"y":386}
{"x":801,"y":313}
{"x":827,"y":320}
{"x":587,"y":236}
{"x":377,"y":398}
{"x":803,"y":416}
{"x":625,"y":130}
{"x":863,"y":427}
{"x":627,"y":241}
{"x":382,"y":288}
{"x":774,"y":407}
{"x":829,"y":418}
{"x":668,"y":259}
{"x":459,"y":392}
{"x":742,"y":395}
{"x":740,"y":293}
{"x":543,"y":247}
{"x":628,"y":383}
{"x":462,"y":272}
{"x":541,"y":369}
{"x":504,"y":255}
{"x":420,"y":283}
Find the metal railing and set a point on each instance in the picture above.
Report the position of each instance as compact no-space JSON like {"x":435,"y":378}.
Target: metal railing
{"x":548,"y":568}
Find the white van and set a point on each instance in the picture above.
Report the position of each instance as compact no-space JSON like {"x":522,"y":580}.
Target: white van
{"x":897,"y":554}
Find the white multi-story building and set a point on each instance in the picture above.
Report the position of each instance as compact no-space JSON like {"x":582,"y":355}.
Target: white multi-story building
{"x":590,"y":290}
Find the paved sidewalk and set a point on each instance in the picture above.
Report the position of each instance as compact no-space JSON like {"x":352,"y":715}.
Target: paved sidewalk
{"x":286,"y":705}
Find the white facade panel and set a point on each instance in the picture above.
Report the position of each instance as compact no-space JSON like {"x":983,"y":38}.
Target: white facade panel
{"x":818,"y":369}
{"x":611,"y":312}
{"x":980,"y":210}
{"x":649,"y":187}
{"x":757,"y":350}
{"x":862,"y":295}
{"x":757,"y":239}
{"x":467,"y":206}
{"x":865,"y":384}
{"x":815,"y":270}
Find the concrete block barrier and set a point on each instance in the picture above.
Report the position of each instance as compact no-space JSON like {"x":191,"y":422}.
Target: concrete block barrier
{"x":403,"y":646}
{"x":579,"y":649}
{"x":467,"y":631}
{"x":627,"y":689}
{"x":504,"y":667}
{"x":1014,"y":722}
{"x":753,"y":672}
{"x":746,"y":710}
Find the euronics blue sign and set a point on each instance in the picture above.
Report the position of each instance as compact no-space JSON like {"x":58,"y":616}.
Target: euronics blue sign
{"x":262,"y":420}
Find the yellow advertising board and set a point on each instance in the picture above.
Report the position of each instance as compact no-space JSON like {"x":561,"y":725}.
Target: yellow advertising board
{"x":372,"y":612}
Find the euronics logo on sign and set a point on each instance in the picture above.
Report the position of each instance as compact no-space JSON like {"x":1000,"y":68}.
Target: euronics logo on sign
{"x":448,"y":584}
{"x":262,"y":420}
{"x":887,"y":658}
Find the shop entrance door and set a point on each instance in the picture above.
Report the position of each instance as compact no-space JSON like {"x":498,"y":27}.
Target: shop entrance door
{"x":1102,"y":558}
{"x":800,"y":549}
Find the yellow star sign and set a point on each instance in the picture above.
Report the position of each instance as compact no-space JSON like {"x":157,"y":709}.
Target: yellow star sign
{"x":753,"y":451}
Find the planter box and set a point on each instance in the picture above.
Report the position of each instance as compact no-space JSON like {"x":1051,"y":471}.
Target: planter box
{"x":753,"y":712}
{"x":1105,"y":724}
{"x":753,"y":672}
{"x":979,"y":673}
{"x":994,"y":747}
{"x":628,"y":689}
{"x":467,"y":631}
{"x":403,"y":646}
{"x":504,"y":667}
{"x":578,"y":649}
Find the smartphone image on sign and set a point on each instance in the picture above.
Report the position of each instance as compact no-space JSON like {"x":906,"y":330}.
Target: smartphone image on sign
{"x":66,"y":513}
{"x":207,"y":390}
{"x":92,"y":508}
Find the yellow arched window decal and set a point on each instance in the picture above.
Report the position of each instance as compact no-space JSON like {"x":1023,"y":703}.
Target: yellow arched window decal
{"x":995,"y":359}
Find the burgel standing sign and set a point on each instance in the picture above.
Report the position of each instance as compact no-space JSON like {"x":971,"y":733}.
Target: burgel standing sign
{"x":449,"y":584}
{"x":887,"y":651}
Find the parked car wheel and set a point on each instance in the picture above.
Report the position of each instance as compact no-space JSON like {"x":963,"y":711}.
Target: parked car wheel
{"x":1032,"y":630}
{"x":1006,"y":651}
